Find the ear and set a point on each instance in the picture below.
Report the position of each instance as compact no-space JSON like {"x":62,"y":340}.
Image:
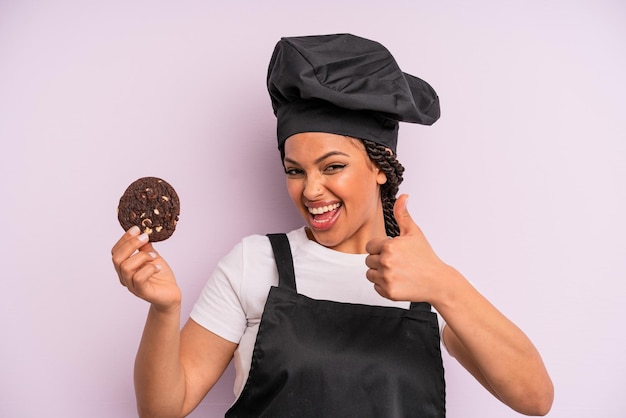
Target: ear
{"x":381,"y":177}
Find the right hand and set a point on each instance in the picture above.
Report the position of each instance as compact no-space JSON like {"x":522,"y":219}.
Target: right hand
{"x":144,"y":272}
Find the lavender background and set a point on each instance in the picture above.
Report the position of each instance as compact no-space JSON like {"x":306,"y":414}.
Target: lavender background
{"x":520,"y":185}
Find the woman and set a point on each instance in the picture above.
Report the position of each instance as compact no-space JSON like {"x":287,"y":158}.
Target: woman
{"x":332,"y":319}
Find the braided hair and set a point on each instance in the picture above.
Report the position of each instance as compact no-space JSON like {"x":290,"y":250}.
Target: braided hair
{"x":392,"y":168}
{"x":389,"y":164}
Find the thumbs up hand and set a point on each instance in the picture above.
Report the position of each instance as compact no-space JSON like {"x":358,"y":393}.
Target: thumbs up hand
{"x":405,"y":267}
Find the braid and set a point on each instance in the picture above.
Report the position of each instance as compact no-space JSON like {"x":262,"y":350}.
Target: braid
{"x":392,"y":168}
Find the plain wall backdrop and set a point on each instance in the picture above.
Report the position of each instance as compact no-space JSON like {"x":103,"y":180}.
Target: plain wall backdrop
{"x":520,"y":184}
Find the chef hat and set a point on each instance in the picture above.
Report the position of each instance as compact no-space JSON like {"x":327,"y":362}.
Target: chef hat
{"x":346,"y":85}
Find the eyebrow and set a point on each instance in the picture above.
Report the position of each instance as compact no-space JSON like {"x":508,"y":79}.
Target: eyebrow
{"x":319,"y":159}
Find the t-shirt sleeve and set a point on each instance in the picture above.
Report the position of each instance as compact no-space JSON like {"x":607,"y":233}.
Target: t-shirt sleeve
{"x":442,"y":323}
{"x":219,"y":307}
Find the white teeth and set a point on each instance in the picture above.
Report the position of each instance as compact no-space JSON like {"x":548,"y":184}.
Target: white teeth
{"x":323,"y":209}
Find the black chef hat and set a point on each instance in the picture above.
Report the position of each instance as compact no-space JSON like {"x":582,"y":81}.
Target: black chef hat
{"x":346,"y":85}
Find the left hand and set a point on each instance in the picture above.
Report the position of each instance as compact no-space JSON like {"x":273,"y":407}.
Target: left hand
{"x":485,"y":342}
{"x":405,"y":267}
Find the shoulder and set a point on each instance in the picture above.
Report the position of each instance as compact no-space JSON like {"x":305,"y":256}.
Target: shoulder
{"x":257,"y":267}
{"x":258,"y":245}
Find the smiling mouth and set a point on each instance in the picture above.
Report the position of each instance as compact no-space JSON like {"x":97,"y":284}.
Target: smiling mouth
{"x":324,"y":209}
{"x":324,"y":217}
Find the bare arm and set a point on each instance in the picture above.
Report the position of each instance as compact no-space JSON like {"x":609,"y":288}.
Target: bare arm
{"x":173,"y":369}
{"x":495,"y":351}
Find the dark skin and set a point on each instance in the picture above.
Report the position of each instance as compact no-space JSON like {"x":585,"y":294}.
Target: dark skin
{"x":493,"y":349}
{"x":175,"y":369}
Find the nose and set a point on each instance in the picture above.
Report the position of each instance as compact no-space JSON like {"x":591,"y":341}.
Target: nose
{"x":313,"y":187}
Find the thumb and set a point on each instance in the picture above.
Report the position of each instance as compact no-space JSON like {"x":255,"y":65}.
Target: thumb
{"x":405,"y":222}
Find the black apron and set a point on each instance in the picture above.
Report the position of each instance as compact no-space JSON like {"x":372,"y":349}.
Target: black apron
{"x":318,"y":358}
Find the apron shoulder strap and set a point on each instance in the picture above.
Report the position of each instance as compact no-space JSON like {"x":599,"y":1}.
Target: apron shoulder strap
{"x":284,"y":261}
{"x":287,"y":276}
{"x":420,"y":306}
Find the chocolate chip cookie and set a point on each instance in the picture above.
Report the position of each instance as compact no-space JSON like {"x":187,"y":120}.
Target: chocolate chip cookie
{"x":152,"y":204}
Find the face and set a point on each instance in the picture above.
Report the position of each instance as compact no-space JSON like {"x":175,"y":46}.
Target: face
{"x":336,"y":188}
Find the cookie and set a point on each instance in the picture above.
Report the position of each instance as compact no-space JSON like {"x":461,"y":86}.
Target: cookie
{"x":153,"y":205}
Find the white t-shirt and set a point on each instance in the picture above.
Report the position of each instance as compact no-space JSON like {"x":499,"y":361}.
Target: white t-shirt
{"x":232,"y":301}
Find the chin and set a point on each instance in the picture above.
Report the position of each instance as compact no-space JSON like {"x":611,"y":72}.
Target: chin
{"x":328,"y":238}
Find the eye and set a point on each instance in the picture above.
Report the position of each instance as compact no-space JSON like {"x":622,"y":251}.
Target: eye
{"x":293,"y":172}
{"x":333,"y":168}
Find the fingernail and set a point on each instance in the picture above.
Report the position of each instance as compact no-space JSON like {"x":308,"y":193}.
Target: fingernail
{"x":143,"y":237}
{"x":158,"y":267}
{"x":134,"y":230}
{"x":151,"y":254}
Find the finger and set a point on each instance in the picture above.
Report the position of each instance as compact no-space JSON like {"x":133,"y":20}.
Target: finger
{"x":380,"y":290}
{"x":375,"y":246}
{"x":373,"y":275}
{"x":129,"y":267}
{"x":147,"y":247}
{"x":373,"y":261}
{"x":141,"y":276}
{"x":126,"y":247}
{"x":401,"y":213}
{"x":132,"y":232}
